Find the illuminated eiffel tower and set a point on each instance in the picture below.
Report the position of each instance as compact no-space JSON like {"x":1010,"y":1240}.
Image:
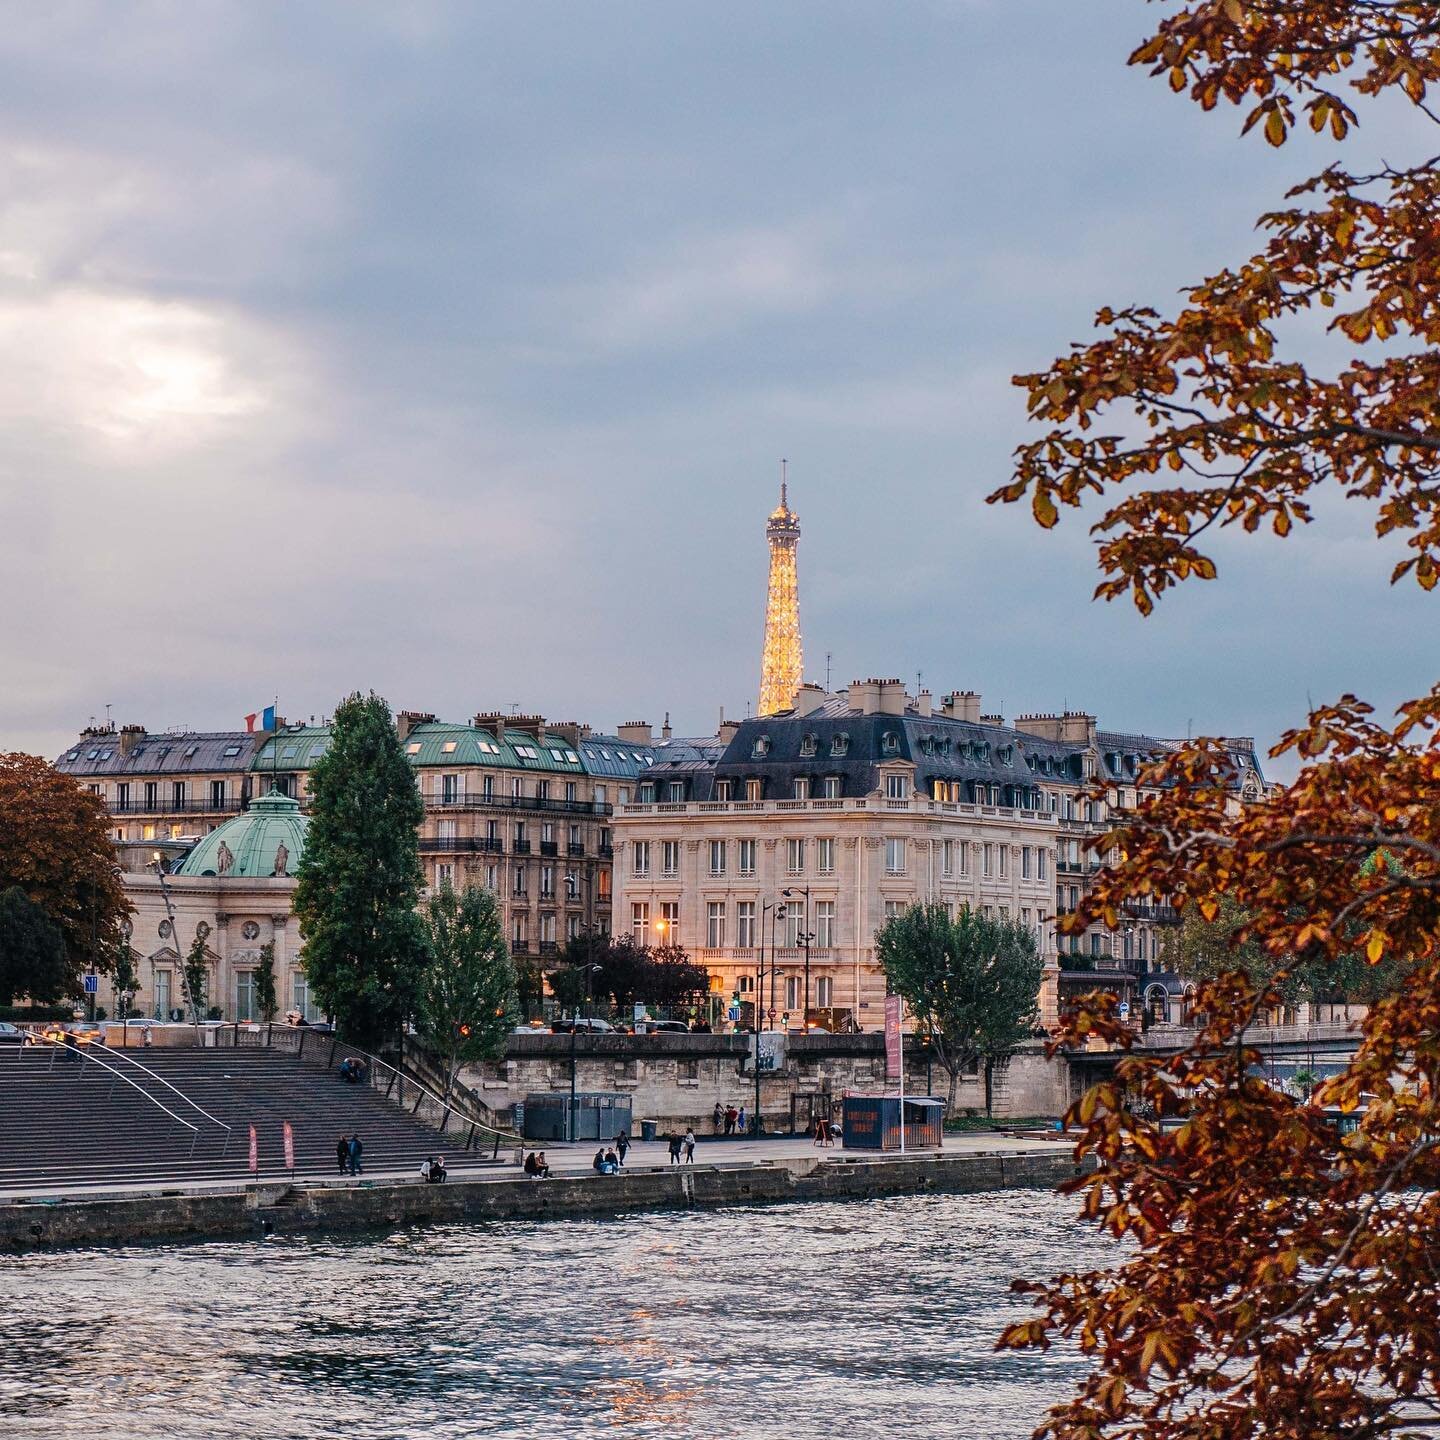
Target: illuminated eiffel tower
{"x":780,"y":667}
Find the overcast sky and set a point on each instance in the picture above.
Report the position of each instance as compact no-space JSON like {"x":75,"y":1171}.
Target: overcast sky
{"x":450,"y":350}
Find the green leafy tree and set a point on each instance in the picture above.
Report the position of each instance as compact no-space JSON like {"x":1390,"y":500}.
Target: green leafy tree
{"x":359,"y":879}
{"x":125,"y":980}
{"x":33,"y":960}
{"x":468,"y":1000}
{"x":195,"y":975}
{"x":970,"y":982}
{"x":266,"y":1001}
{"x":55,"y":846}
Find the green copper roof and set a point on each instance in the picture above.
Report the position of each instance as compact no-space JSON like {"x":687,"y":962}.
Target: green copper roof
{"x":295,"y":748}
{"x":253,"y":841}
{"x":438,"y":743}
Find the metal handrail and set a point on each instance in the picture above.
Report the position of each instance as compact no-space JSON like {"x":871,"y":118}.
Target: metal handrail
{"x":83,"y":1051}
{"x":214,"y":1119}
{"x":373,"y":1061}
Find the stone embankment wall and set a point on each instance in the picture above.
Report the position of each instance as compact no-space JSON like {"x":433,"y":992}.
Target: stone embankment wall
{"x":679,"y":1079}
{"x":260,"y":1210}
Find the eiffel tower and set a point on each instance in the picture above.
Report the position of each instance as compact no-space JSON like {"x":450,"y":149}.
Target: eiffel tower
{"x":780,"y":667}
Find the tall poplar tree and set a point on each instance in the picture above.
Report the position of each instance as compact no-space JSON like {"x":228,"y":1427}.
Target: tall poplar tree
{"x":359,"y":878}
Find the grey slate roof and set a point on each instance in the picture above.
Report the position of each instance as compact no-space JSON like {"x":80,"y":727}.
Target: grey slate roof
{"x":186,"y":753}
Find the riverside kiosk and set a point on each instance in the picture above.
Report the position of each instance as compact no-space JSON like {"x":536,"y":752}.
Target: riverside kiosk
{"x":872,"y":1122}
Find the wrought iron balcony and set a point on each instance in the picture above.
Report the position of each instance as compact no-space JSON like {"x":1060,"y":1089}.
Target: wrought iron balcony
{"x":574,"y":849}
{"x":195,"y":805}
{"x":549,"y":847}
{"x":516,"y":802}
{"x":521,"y":847}
{"x":458,"y":844}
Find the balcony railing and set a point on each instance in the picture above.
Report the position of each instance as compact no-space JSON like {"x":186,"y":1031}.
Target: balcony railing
{"x":196,"y":805}
{"x":919,"y":805}
{"x":521,"y":847}
{"x":1156,"y":914}
{"x":516,"y":802}
{"x":549,"y":847}
{"x":459,"y":844}
{"x":573,"y":849}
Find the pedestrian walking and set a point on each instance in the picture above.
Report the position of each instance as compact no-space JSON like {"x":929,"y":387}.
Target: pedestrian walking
{"x":819,"y":1131}
{"x":357,"y":1149}
{"x":149,"y":1039}
{"x":674,"y":1149}
{"x":690,"y":1145}
{"x":731,"y":1116}
{"x":719,"y":1117}
{"x":740,"y":1121}
{"x":622,"y":1146}
{"x":342,"y":1154}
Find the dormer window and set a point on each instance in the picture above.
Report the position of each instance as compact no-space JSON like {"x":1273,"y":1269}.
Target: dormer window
{"x":761,"y":747}
{"x":927,"y":745}
{"x":802,"y":787}
{"x":889,"y":743}
{"x":1006,"y":755}
{"x":840,"y":744}
{"x":722,"y":789}
{"x":809,"y":744}
{"x":647,"y":794}
{"x":895,"y":787}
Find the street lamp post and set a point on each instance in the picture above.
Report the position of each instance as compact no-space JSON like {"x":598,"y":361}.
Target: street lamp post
{"x":574,"y":1030}
{"x":805,"y":938}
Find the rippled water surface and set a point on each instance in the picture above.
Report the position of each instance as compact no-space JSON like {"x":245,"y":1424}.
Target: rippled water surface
{"x":860,"y":1318}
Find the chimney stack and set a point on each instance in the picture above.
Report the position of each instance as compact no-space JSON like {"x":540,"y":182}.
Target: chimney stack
{"x":635,"y":732}
{"x":130,"y":737}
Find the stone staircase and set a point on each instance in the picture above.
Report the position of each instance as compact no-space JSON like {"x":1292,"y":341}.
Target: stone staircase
{"x":67,"y":1121}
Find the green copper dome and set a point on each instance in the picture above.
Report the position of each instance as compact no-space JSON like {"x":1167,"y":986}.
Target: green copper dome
{"x":265,"y":841}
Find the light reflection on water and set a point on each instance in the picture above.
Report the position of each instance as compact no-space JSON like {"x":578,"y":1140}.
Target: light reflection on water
{"x":782,"y":1321}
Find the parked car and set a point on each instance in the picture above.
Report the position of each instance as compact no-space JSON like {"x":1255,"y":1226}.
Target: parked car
{"x":532,"y":1030}
{"x":667,"y":1027}
{"x":585,"y":1024}
{"x":11,"y":1034}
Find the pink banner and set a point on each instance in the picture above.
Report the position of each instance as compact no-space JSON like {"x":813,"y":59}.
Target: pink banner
{"x":289,"y":1147}
{"x":892,"y":1037}
{"x":254,"y":1151}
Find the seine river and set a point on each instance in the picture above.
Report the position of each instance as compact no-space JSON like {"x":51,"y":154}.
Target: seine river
{"x":834,"y":1320}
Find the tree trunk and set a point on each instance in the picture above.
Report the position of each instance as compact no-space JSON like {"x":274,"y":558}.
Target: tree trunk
{"x":989,"y":1088}
{"x":954,"y":1073}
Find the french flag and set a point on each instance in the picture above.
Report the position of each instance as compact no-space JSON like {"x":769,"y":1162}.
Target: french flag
{"x":266,"y":717}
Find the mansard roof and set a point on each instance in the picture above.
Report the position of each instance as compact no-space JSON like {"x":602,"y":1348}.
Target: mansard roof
{"x":171,"y":752}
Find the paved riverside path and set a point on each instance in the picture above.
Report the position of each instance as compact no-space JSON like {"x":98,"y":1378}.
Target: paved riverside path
{"x":564,"y":1160}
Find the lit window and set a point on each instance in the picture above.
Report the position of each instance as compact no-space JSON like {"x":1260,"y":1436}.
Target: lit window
{"x":448,"y":747}
{"x":413,"y":748}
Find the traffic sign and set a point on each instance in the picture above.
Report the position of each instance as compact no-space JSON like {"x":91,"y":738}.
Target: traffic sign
{"x":92,"y":984}
{"x":1124,"y":1009}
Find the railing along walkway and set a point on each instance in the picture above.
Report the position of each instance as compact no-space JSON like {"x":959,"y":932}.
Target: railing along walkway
{"x":84,"y":1054}
{"x":379,"y":1074}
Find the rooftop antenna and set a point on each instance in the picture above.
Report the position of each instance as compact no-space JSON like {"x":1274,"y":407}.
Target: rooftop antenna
{"x":514,"y":707}
{"x":107,"y":715}
{"x":783,"y":476}
{"x":827,"y":672}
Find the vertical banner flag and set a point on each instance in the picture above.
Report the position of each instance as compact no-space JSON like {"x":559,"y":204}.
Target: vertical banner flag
{"x":892,"y":1037}
{"x":289,"y":1148}
{"x":254,"y":1152}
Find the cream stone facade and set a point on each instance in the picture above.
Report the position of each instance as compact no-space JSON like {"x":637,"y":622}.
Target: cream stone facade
{"x":861,"y":860}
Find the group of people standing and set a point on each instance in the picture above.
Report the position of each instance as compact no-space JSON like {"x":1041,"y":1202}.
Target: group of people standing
{"x":728,"y":1119}
{"x":683,"y":1144}
{"x":348,"y":1152}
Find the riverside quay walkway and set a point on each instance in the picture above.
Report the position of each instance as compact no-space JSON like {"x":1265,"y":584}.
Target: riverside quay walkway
{"x":725,"y":1172}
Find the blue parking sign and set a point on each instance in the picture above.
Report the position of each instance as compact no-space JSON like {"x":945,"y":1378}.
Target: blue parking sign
{"x":92,"y":984}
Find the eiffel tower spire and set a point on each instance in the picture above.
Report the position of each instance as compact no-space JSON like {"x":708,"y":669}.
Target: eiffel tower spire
{"x":780,"y":668}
